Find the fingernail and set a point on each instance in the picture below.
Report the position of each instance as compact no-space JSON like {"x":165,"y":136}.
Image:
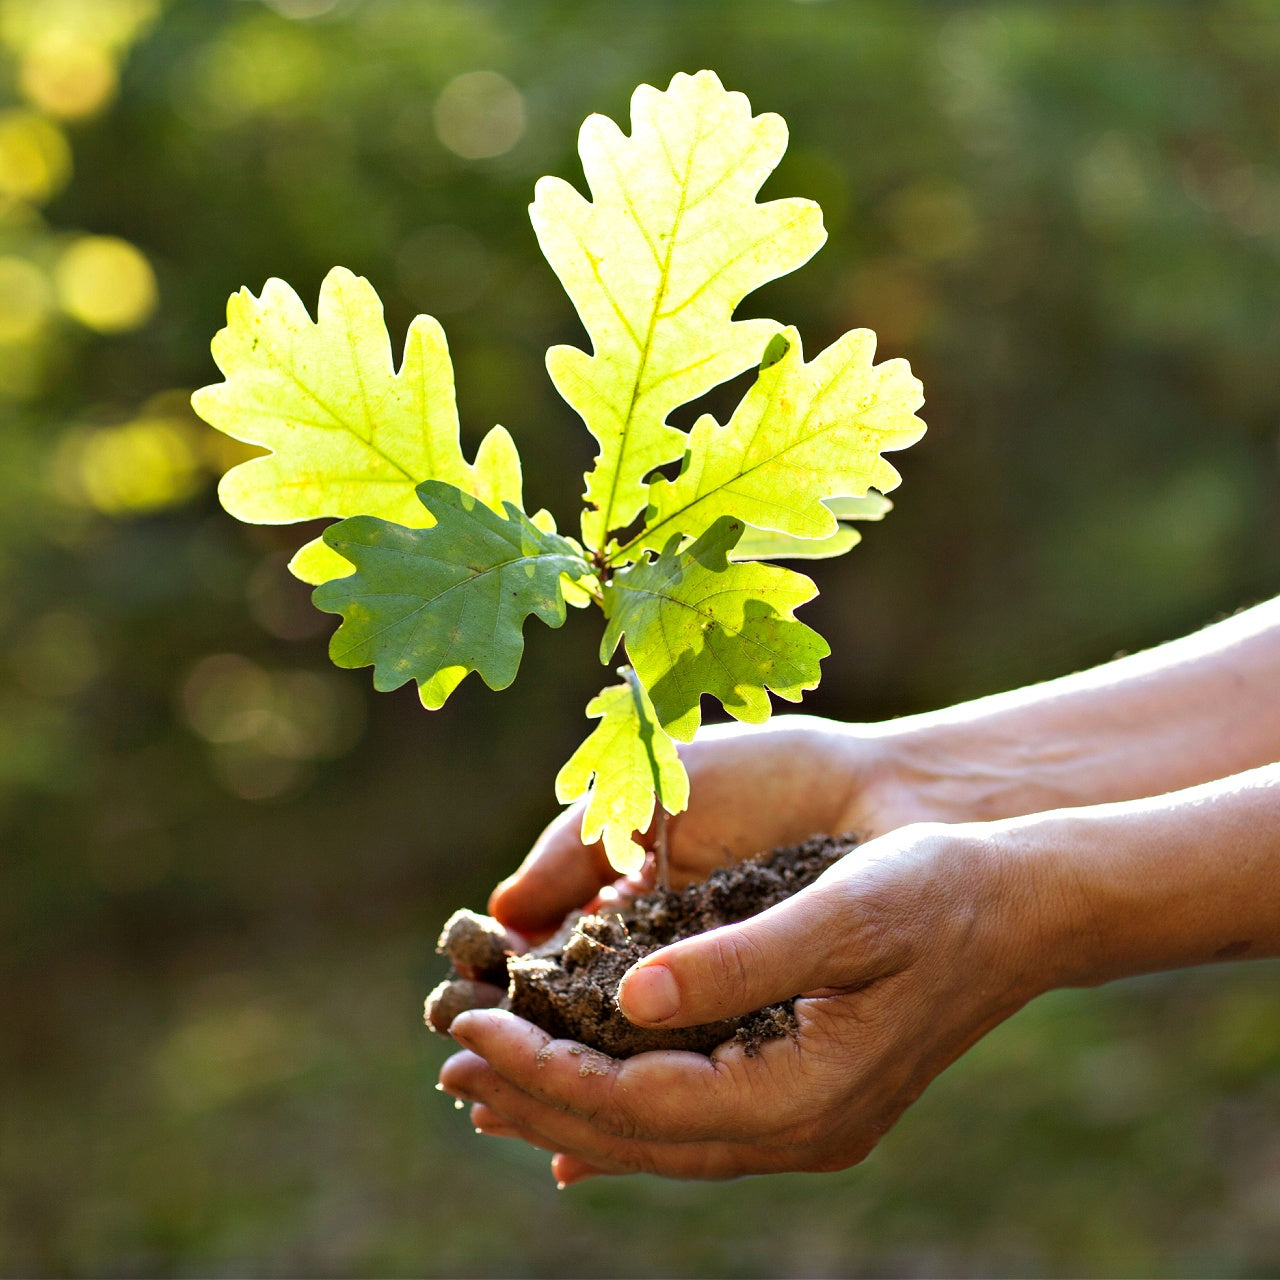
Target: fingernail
{"x":649,"y":994}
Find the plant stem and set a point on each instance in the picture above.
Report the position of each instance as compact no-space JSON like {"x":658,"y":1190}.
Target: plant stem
{"x":660,"y":850}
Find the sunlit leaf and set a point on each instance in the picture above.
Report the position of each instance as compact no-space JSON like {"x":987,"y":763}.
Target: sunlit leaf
{"x":697,"y":623}
{"x":434,"y":604}
{"x":348,"y":433}
{"x":764,"y":544}
{"x":628,"y":763}
{"x":671,"y":242}
{"x":803,"y":433}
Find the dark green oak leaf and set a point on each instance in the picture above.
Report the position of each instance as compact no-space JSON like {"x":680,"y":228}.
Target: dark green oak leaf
{"x":434,"y":604}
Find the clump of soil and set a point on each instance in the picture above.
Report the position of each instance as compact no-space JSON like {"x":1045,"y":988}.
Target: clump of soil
{"x":568,"y":986}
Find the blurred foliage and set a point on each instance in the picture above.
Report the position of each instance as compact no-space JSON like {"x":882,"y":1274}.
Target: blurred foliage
{"x":225,"y":863}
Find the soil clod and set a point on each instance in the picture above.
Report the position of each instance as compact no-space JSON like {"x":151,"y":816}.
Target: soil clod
{"x":476,"y":945}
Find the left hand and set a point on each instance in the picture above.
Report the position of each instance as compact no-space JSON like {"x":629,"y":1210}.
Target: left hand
{"x":905,"y":952}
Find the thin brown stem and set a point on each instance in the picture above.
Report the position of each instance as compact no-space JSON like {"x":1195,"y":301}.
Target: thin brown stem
{"x":660,"y":851}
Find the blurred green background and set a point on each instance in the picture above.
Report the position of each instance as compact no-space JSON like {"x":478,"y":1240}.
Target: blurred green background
{"x":224,"y":863}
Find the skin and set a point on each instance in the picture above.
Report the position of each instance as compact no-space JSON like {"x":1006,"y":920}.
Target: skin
{"x":1114,"y":822}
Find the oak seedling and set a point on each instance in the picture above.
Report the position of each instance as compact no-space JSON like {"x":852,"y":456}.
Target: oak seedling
{"x":434,"y":564}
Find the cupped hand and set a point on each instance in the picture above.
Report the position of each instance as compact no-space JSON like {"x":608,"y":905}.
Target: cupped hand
{"x":752,"y":788}
{"x":905,"y":952}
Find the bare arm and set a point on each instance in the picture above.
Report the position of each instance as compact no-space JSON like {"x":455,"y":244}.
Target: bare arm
{"x":1201,"y":707}
{"x":1156,"y":884}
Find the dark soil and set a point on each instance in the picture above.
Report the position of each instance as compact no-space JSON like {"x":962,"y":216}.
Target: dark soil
{"x":568,"y":986}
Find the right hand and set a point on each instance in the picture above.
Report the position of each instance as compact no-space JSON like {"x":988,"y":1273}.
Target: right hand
{"x":752,"y":788}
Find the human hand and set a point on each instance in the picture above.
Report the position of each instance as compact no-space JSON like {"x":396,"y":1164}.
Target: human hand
{"x":906,"y":951}
{"x":752,"y":788}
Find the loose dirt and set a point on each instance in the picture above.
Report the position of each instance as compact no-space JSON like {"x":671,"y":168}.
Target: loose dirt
{"x":568,"y":986}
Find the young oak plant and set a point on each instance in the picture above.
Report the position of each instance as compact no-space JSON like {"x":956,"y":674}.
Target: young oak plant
{"x":435,"y":566}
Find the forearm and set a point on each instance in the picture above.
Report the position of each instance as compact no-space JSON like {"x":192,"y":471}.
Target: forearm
{"x":1137,"y":887}
{"x":1202,"y":707}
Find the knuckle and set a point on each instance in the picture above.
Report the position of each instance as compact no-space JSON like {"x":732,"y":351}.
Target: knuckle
{"x":615,"y":1115}
{"x":734,"y":958}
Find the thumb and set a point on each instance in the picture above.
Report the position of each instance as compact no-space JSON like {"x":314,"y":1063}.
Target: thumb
{"x":800,"y":945}
{"x":559,"y":875}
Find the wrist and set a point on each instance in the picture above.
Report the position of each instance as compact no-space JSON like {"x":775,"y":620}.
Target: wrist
{"x":1002,"y":757}
{"x":1019,"y":910}
{"x":940,"y":768}
{"x":1115,"y":890}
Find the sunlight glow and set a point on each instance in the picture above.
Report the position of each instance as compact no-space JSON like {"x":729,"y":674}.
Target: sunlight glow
{"x":106,"y":284}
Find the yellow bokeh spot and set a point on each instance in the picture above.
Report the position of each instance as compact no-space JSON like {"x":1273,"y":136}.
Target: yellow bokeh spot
{"x":106,"y":284}
{"x":26,"y":299}
{"x":111,"y":24}
{"x":35,"y":158}
{"x":68,"y":77}
{"x":142,"y":466}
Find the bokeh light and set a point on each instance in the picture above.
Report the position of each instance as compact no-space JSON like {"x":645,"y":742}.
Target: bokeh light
{"x":261,"y":67}
{"x":479,"y":115}
{"x":35,"y":158}
{"x":68,"y":77}
{"x":111,"y":24}
{"x":1114,"y":180}
{"x":26,"y":299}
{"x":131,"y":469}
{"x":934,"y":221}
{"x":56,"y":655}
{"x":281,"y":604}
{"x":232,"y":1048}
{"x":106,"y":283}
{"x":68,"y":51}
{"x":266,"y":727}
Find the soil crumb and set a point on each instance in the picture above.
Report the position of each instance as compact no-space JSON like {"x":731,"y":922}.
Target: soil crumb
{"x":568,"y":986}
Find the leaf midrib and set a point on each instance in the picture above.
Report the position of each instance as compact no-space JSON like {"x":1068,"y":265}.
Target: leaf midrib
{"x":470,"y":580}
{"x":646,"y":347}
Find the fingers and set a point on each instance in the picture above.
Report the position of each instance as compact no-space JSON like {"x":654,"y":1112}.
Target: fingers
{"x":662,"y":1097}
{"x":507,"y":1111}
{"x":567,"y":1170}
{"x":559,"y":875}
{"x":489,"y":1120}
{"x":800,"y":945}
